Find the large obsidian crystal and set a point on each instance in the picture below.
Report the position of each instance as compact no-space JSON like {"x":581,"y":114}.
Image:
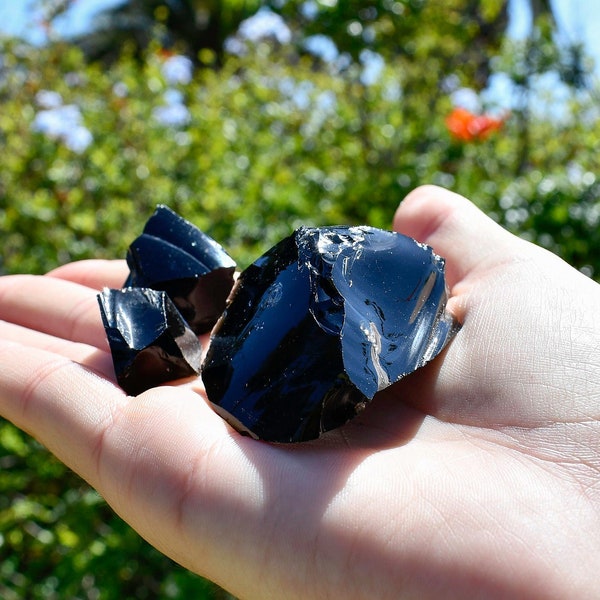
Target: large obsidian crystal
{"x":174,"y":256}
{"x":149,"y":341}
{"x":320,"y":323}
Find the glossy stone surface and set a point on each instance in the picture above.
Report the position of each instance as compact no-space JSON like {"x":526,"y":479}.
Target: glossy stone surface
{"x":149,"y":340}
{"x":174,"y":256}
{"x":319,"y":324}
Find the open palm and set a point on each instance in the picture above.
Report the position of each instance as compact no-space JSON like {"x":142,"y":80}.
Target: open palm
{"x":477,"y":476}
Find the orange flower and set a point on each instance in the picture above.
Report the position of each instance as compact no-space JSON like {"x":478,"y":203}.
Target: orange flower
{"x":165,"y":53}
{"x":468,"y":127}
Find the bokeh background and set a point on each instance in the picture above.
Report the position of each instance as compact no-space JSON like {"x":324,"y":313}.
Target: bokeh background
{"x":251,"y":118}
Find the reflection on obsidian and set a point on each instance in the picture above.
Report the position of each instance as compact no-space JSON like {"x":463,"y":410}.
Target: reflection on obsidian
{"x":149,"y":340}
{"x":319,"y":324}
{"x":174,"y":256}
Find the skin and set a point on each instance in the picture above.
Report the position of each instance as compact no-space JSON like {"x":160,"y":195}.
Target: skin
{"x":476,"y":477}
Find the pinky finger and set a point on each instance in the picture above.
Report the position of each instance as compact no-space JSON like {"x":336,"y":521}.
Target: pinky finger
{"x":91,"y":357}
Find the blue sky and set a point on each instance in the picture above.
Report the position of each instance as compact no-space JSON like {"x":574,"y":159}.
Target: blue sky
{"x":578,"y":20}
{"x":18,"y":17}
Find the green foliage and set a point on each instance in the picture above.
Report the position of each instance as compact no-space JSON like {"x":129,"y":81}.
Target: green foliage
{"x":269,"y":145}
{"x":268,"y":142}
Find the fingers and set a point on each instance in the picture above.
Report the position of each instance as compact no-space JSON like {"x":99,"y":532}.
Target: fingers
{"x":470,"y":241}
{"x":93,"y":358}
{"x":59,"y":308}
{"x":95,"y":274}
{"x":62,"y":403}
{"x":62,"y":304}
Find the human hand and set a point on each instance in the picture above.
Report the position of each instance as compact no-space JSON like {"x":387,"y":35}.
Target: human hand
{"x":477,"y":476}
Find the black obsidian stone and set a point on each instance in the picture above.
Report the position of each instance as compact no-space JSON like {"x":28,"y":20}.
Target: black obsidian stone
{"x":319,"y":324}
{"x":149,"y":340}
{"x":174,"y":256}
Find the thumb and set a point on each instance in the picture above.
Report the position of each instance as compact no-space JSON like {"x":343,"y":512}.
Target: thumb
{"x":457,"y":230}
{"x":517,"y":360}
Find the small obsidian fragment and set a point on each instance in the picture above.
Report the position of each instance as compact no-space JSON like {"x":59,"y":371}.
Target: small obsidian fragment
{"x":174,"y":256}
{"x":320,"y":323}
{"x":149,"y":341}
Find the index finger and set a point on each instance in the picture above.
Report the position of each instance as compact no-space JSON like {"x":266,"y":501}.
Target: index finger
{"x":60,"y":308}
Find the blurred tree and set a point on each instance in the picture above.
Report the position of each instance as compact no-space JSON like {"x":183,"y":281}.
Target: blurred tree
{"x":394,"y":27}
{"x":389,"y":27}
{"x":188,"y":25}
{"x":540,"y":8}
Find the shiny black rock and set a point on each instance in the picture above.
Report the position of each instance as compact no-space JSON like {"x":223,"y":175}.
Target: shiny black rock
{"x":149,"y":341}
{"x":174,"y":256}
{"x":319,"y":324}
